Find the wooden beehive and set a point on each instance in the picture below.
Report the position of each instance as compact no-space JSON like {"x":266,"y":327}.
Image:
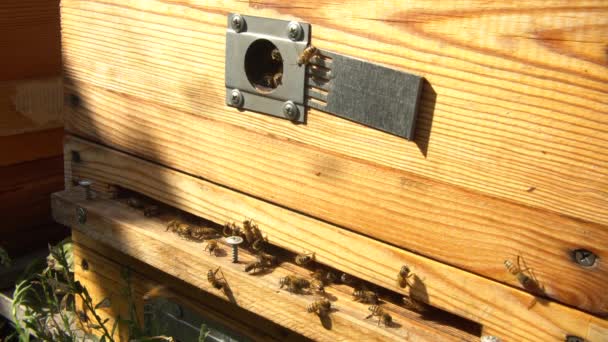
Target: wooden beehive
{"x":508,"y":160}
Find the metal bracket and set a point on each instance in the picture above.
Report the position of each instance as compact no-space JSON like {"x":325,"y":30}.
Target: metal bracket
{"x":290,"y":38}
{"x":367,"y":93}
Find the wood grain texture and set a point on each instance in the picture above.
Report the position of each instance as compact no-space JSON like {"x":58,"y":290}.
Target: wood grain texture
{"x":30,"y":105}
{"x":515,"y":104}
{"x":30,"y":146}
{"x":447,"y":223}
{"x":501,"y":308}
{"x":119,"y":227}
{"x":29,"y":39}
{"x":105,"y":263}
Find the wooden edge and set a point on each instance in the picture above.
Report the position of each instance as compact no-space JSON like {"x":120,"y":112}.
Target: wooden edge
{"x":31,"y":146}
{"x":106,"y":263}
{"x":476,"y":298}
{"x":397,"y":207}
{"x":115,"y":224}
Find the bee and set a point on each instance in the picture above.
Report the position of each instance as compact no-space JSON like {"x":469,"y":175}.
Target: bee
{"x":294,"y":283}
{"x":248,"y":231}
{"x":306,"y":55}
{"x":325,"y":277}
{"x":231,"y":229}
{"x":275,"y":55}
{"x":317,"y":286}
{"x":528,"y":282}
{"x":365,"y":296}
{"x":151,"y":210}
{"x":414,"y":304}
{"x":321,"y":307}
{"x":182,"y":229}
{"x":212,"y":246}
{"x":347,"y":279}
{"x":203,"y":233}
{"x":254,"y":266}
{"x":258,"y":245}
{"x":267,"y":259}
{"x":214,"y":280}
{"x":403,"y":276}
{"x":304,"y":259}
{"x":382,"y":316}
{"x":135,"y":203}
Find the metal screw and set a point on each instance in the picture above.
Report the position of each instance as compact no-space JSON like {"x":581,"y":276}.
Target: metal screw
{"x":489,"y":338}
{"x":295,"y":31}
{"x":584,"y":257}
{"x":236,"y":98}
{"x":290,"y":110}
{"x":234,"y":241}
{"x":572,"y":338}
{"x":86,"y":184}
{"x":81,"y":214}
{"x":237,"y":22}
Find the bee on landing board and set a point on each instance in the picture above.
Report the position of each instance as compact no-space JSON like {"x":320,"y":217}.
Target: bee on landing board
{"x":306,"y":55}
{"x":365,"y":296}
{"x":383,"y":317}
{"x":215,"y":281}
{"x":321,"y":307}
{"x":213,"y":247}
{"x":254,"y":266}
{"x":403,"y":276}
{"x":267,"y":259}
{"x":203,"y":233}
{"x":294,"y":283}
{"x":529,"y":282}
{"x":182,"y":229}
{"x":305,"y":259}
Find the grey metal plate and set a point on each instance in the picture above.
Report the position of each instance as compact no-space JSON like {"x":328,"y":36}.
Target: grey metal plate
{"x":367,"y":93}
{"x":293,"y":82}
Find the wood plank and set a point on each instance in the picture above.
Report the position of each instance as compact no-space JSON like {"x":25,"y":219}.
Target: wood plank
{"x":391,"y":205}
{"x":118,"y":226}
{"x":515,"y":104}
{"x":30,"y":105}
{"x":25,"y":191}
{"x":31,"y":146}
{"x":494,"y":305}
{"x":29,"y":39}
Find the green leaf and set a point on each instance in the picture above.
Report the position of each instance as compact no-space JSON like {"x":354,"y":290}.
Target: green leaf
{"x":114,"y":326}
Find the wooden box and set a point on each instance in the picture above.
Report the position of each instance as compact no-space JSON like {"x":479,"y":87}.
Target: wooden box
{"x":509,"y":160}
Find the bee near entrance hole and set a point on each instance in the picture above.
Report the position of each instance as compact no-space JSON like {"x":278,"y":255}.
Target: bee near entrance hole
{"x":264,"y":66}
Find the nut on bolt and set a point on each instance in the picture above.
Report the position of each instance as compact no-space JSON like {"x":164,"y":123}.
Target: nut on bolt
{"x":234,"y":241}
{"x":295,"y":31}
{"x":290,"y":110}
{"x":237,"y":22}
{"x":236,"y":98}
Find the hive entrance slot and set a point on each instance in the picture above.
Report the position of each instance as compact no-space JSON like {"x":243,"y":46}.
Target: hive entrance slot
{"x":264,"y":66}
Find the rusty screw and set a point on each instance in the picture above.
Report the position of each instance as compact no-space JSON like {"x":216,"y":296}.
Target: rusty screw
{"x":234,"y":241}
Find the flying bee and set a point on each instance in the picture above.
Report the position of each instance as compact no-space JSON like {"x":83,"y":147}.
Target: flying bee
{"x":275,"y":55}
{"x":294,"y":283}
{"x":528,"y":282}
{"x":304,"y":259}
{"x":321,"y":307}
{"x":365,"y":296}
{"x":382,"y":316}
{"x":254,"y":266}
{"x":214,"y":280}
{"x":306,"y":55}
{"x":134,"y":202}
{"x":203,"y":233}
{"x":317,"y":286}
{"x":212,"y":246}
{"x":403,"y":276}
{"x":151,"y":210}
{"x":267,"y":259}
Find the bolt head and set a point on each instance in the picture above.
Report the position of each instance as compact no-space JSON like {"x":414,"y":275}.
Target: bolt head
{"x":234,"y":240}
{"x":236,"y":98}
{"x":295,"y":31}
{"x":237,"y":22}
{"x":85,"y":183}
{"x":81,"y":215}
{"x":572,"y":338}
{"x":584,"y":257}
{"x":290,"y":110}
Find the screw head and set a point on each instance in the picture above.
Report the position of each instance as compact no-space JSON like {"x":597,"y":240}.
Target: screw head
{"x":237,"y":22}
{"x":290,"y":110}
{"x":572,"y":338}
{"x":236,"y":98}
{"x":81,"y":214}
{"x":85,"y":183}
{"x":584,"y":257}
{"x":489,"y":338}
{"x":234,"y":240}
{"x":295,"y":31}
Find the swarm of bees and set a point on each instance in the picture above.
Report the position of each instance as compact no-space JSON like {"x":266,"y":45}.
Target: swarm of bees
{"x":294,"y":283}
{"x":321,"y":307}
{"x":403,"y":276}
{"x":383,"y":317}
{"x":365,"y":296}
